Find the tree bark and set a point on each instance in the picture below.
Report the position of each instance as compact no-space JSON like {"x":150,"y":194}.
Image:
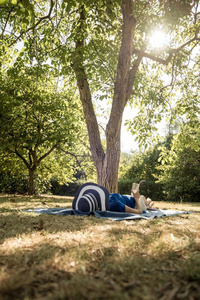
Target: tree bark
{"x":33,"y":164}
{"x":120,"y":98}
{"x":31,"y":181}
{"x":107,"y":163}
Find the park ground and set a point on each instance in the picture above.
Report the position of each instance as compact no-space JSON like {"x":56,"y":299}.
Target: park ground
{"x":48,"y":257}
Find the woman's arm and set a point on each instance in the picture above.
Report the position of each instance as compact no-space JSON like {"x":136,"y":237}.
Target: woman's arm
{"x":136,"y":194}
{"x":133,"y":210}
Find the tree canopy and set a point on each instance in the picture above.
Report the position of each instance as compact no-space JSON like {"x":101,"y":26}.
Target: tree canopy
{"x":105,"y":47}
{"x":37,"y":115}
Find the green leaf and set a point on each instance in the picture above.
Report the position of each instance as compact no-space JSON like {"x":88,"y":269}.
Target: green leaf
{"x":2,"y":2}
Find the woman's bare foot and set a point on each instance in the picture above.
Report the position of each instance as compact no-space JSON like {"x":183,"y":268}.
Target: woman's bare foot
{"x":149,"y":203}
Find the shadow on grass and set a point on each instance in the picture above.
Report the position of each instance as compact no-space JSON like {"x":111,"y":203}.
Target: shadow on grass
{"x":111,"y":277}
{"x":28,"y":272}
{"x":42,"y":198}
{"x":114,"y":264}
{"x":14,"y":224}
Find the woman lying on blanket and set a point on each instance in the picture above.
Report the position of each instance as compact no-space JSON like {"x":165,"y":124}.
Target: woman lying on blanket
{"x":135,"y":203}
{"x":91,"y":196}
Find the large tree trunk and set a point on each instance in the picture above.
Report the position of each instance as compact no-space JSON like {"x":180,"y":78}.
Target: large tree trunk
{"x":107,"y":163}
{"x":108,"y":174}
{"x":31,"y":181}
{"x":120,"y":98}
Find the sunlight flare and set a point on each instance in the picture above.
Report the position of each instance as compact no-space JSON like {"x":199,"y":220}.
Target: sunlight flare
{"x":158,"y":39}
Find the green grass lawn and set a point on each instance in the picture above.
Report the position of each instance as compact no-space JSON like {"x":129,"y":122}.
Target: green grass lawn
{"x":70,"y":257}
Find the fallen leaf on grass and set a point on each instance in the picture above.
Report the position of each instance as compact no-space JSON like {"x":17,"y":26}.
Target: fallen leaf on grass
{"x":12,"y":200}
{"x":170,"y":294}
{"x":44,"y":203}
{"x":187,"y":291}
{"x":3,"y":225}
{"x":129,"y":284}
{"x":40,"y":226}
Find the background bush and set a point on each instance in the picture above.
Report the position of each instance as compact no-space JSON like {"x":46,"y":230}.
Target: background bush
{"x":143,"y":166}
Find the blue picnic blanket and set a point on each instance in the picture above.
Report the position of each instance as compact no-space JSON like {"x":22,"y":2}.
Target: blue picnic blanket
{"x":116,"y":216}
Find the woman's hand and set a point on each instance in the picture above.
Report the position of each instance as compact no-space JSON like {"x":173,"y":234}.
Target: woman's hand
{"x":136,"y":193}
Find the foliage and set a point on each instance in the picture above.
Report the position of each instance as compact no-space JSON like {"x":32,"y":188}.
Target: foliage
{"x":143,"y":167}
{"x":172,"y":98}
{"x":18,"y":183}
{"x":13,"y":184}
{"x":126,"y":160}
{"x":39,"y":115}
{"x":69,"y":189}
{"x":167,"y":92}
{"x":61,"y":174}
{"x":179,"y":169}
{"x":171,"y":168}
{"x":86,"y":39}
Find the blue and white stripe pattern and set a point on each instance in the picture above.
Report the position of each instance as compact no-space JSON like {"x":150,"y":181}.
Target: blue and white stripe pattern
{"x":91,"y":197}
{"x":91,"y":201}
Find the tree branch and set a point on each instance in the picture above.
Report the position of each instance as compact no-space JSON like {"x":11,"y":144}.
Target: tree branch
{"x":85,"y":94}
{"x":170,"y":54}
{"x":171,"y":84}
{"x":131,"y":78}
{"x":36,"y":24}
{"x":6,"y":22}
{"x":22,"y":158}
{"x":142,"y":54}
{"x":33,"y":153}
{"x":30,"y":159}
{"x":122,"y":73}
{"x":75,"y":156}
{"x":195,"y":38}
{"x":46,"y":154}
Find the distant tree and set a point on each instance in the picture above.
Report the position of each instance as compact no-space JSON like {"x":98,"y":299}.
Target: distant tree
{"x":180,"y":165}
{"x":37,"y":116}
